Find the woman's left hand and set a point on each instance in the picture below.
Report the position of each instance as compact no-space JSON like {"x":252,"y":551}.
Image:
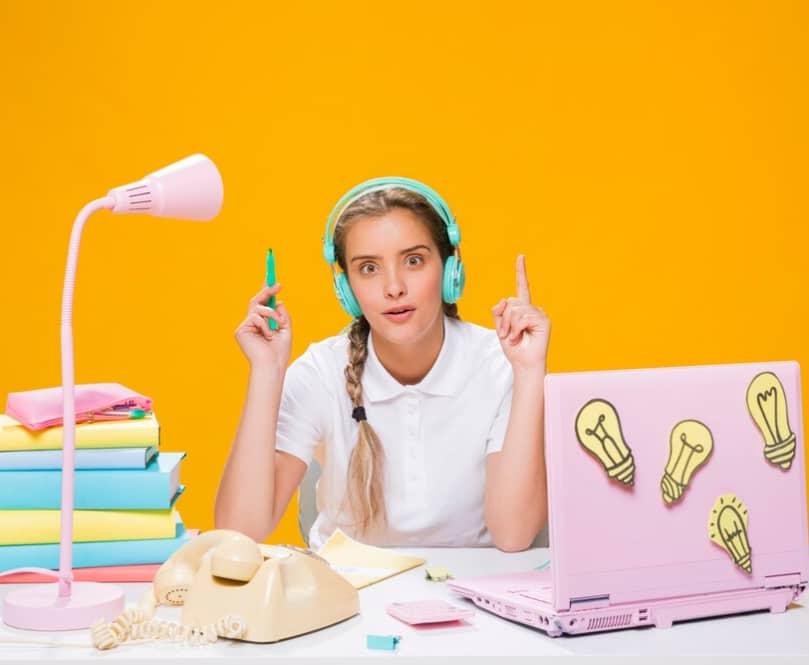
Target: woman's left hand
{"x":524,"y":329}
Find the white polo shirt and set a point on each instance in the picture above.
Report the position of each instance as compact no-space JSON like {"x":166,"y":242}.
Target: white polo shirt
{"x":435,"y":435}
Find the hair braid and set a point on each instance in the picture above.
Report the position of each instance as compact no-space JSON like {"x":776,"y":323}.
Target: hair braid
{"x":365,"y":494}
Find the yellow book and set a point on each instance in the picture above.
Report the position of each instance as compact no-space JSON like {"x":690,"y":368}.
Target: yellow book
{"x":29,"y":527}
{"x":363,"y":565}
{"x":128,"y":433}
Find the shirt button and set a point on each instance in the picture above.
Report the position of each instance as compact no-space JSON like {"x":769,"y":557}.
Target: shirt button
{"x":411,"y":409}
{"x":412,"y":452}
{"x":412,"y":431}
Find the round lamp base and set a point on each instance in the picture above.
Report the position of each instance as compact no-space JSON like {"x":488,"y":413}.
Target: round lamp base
{"x":40,"y":607}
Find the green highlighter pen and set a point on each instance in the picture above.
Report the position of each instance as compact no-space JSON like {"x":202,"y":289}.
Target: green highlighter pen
{"x":269,"y":281}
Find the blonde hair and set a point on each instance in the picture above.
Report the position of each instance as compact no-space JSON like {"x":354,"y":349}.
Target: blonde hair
{"x":364,"y":482}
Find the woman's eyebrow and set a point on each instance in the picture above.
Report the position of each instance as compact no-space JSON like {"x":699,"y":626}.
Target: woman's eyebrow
{"x":376,"y":258}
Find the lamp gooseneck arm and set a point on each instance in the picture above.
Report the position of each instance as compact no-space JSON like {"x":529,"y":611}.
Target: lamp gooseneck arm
{"x":68,"y":396}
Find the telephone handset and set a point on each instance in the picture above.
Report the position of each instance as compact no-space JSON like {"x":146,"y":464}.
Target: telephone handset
{"x":230,"y":586}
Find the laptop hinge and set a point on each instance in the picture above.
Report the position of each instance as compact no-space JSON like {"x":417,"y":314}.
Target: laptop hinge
{"x":589,"y":602}
{"x":783,"y":580}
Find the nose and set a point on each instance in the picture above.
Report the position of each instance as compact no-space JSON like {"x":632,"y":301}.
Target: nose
{"x":394,"y":285}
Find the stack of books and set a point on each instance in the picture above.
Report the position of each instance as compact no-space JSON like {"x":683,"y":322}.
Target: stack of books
{"x":124,"y":522}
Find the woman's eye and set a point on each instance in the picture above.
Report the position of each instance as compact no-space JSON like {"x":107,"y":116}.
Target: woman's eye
{"x":367,"y":268}
{"x":414,"y":260}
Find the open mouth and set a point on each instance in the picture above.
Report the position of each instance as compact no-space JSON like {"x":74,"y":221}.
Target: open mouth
{"x":399,"y":314}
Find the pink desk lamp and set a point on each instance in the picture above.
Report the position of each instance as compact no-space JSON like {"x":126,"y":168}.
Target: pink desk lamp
{"x":188,"y":189}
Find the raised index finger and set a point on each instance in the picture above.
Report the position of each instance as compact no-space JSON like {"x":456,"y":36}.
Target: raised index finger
{"x":523,"y":291}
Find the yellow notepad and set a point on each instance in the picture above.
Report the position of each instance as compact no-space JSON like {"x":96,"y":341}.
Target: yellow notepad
{"x":363,"y":565}
{"x":129,"y":433}
{"x":29,"y":527}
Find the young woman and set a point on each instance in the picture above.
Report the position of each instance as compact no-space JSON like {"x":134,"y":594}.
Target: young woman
{"x":429,"y":429}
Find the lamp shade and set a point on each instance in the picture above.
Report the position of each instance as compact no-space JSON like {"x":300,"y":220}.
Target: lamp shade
{"x":188,"y":189}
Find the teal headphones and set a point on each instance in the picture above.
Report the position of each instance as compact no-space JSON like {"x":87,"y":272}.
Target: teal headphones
{"x":454,"y":278}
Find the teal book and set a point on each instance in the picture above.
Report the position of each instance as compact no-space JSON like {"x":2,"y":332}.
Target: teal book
{"x":152,"y":488}
{"x":98,"y":553}
{"x":84,"y":458}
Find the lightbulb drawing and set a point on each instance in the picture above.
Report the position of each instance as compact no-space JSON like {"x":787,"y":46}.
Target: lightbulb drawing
{"x":691,"y":444}
{"x":598,"y":429}
{"x":727,"y":528}
{"x":767,"y":403}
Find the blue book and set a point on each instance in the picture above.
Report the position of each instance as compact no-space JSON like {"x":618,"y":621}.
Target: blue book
{"x":99,"y":553}
{"x":84,"y":458}
{"x":152,"y":488}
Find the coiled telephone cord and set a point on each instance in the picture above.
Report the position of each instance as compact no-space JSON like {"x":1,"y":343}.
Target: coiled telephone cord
{"x":134,"y":625}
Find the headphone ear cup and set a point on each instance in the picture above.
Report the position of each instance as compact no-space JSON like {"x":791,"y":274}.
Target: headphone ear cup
{"x":454,"y":279}
{"x":346,"y":296}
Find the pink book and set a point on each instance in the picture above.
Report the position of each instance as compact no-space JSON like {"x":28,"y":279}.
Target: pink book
{"x":135,"y":573}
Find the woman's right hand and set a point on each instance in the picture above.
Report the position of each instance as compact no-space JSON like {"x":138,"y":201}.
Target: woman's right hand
{"x":263,"y":347}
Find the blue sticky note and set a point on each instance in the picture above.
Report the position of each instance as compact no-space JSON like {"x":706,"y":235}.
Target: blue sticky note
{"x":384,"y":642}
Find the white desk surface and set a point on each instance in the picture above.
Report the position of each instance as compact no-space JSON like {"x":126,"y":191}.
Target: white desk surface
{"x":743,"y":638}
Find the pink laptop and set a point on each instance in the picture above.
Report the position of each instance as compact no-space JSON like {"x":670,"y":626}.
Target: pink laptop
{"x":673,"y":494}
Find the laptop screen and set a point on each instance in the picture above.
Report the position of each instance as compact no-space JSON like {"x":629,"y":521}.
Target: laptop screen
{"x":675,"y":481}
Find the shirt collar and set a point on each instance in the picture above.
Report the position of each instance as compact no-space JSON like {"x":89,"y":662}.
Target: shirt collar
{"x":442,"y":379}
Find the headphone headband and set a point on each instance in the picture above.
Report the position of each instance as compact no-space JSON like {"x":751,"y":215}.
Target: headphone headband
{"x":386,"y":182}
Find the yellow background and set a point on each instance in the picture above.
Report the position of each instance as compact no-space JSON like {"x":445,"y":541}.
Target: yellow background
{"x":650,"y":158}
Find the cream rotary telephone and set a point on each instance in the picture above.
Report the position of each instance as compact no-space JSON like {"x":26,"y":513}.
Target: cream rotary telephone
{"x":230,"y":586}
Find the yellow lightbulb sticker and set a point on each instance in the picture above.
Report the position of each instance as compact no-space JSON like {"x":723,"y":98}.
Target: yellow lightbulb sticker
{"x":691,"y":444}
{"x":727,"y":528}
{"x":767,"y":403}
{"x":598,"y":429}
